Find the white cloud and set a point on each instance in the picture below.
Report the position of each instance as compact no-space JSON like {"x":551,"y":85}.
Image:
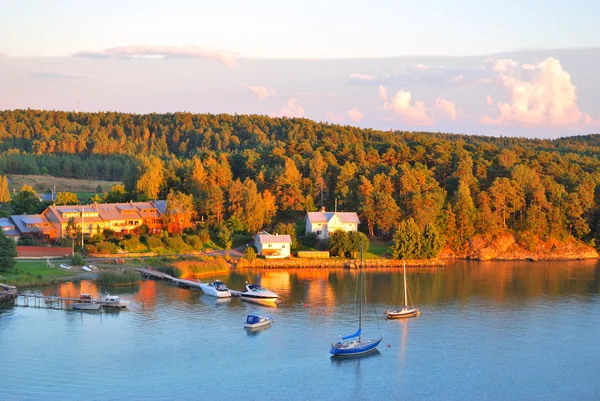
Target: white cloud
{"x":292,"y":108}
{"x":361,"y":77}
{"x":149,"y":51}
{"x":422,"y":66}
{"x":457,"y":79}
{"x":446,"y":107}
{"x":411,"y":114}
{"x":489,"y":100}
{"x":355,"y":115}
{"x":541,"y":94}
{"x":335,"y":118}
{"x":261,"y":92}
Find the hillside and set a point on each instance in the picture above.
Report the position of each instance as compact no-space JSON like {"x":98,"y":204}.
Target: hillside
{"x":234,"y":166}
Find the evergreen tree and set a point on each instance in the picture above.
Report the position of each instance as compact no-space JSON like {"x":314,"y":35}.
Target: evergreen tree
{"x":8,"y":252}
{"x":464,"y":212}
{"x":406,"y":241}
{"x":432,"y":242}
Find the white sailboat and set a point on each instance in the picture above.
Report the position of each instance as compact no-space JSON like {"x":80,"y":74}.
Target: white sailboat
{"x":405,"y":311}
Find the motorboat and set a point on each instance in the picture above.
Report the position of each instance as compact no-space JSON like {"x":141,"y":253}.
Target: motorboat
{"x":86,"y":302}
{"x":216,"y":289}
{"x":405,"y":311}
{"x":255,"y":321}
{"x":259,"y":295}
{"x":113,"y":301}
{"x":356,"y":344}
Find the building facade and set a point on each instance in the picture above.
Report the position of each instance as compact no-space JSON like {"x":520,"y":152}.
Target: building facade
{"x":273,"y":246}
{"x":324,"y":223}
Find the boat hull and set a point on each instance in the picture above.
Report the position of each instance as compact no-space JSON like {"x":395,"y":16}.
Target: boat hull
{"x":86,"y":306}
{"x":402,"y":314}
{"x":212,"y":291}
{"x":257,"y":325}
{"x":355,"y":348}
{"x":268,"y":301}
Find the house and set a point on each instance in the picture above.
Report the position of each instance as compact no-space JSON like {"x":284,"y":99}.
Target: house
{"x":324,"y":223}
{"x":34,"y":225}
{"x":273,"y":246}
{"x":9,"y":228}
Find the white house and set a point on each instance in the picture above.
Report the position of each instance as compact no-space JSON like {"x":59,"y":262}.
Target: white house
{"x":273,"y":246}
{"x":324,"y":223}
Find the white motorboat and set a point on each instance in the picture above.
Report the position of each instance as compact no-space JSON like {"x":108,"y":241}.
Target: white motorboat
{"x":216,"y":289}
{"x":86,"y":302}
{"x":259,"y":295}
{"x":113,"y":301}
{"x":255,"y":321}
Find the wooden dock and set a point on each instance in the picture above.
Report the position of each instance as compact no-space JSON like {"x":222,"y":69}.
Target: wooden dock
{"x":186,"y":283}
{"x":151,"y":273}
{"x":155,"y":274}
{"x":43,"y":301}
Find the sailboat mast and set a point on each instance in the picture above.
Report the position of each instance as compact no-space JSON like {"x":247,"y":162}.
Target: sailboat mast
{"x":361,"y":293}
{"x":405,"y":297}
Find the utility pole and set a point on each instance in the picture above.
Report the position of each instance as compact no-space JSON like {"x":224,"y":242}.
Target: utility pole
{"x":82,"y":210}
{"x":321,"y":181}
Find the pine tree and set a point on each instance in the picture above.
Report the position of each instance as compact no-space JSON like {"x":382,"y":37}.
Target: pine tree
{"x":406,"y":241}
{"x":465,"y":212}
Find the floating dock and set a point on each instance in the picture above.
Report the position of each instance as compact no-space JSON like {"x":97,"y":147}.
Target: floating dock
{"x":155,"y":274}
{"x":186,"y":283}
{"x":151,"y":273}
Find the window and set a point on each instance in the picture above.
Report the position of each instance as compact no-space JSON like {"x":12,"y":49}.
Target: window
{"x":319,"y":232}
{"x":283,"y":246}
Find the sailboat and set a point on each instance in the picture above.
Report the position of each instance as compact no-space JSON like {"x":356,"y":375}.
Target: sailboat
{"x":354,"y":344}
{"x":405,"y":311}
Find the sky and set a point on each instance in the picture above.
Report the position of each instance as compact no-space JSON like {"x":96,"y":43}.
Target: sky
{"x":474,"y":66}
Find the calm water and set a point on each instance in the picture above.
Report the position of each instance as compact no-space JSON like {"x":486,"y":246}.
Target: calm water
{"x":487,"y":331}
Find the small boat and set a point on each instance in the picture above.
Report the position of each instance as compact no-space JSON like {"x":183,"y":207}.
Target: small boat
{"x":405,"y":311}
{"x":357,"y":346}
{"x":86,"y":268}
{"x":259,"y":295}
{"x":113,"y":301}
{"x":86,"y":302}
{"x":216,"y":289}
{"x":255,"y":321}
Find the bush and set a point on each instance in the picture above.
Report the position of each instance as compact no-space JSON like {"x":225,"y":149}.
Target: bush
{"x":154,"y":243}
{"x":194,"y":241}
{"x":309,"y":240}
{"x":90,"y":249}
{"x":105,"y":248}
{"x":175,"y":243}
{"x":133,"y":245}
{"x":78,"y":260}
{"x":170,"y":270}
{"x":204,"y":235}
{"x":250,"y":253}
{"x":198,"y":267}
{"x":117,"y":278}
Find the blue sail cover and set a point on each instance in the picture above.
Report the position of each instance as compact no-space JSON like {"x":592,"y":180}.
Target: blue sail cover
{"x":352,"y":336}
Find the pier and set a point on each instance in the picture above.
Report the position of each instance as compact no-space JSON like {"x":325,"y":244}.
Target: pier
{"x":43,"y":301}
{"x":155,"y":274}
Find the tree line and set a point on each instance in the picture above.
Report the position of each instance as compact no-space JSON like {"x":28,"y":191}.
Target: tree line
{"x":243,"y":171}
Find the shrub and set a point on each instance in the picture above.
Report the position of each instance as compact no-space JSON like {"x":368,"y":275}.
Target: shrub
{"x":190,"y":268}
{"x":105,"y":248}
{"x":133,"y":245}
{"x":170,"y":270}
{"x":204,"y":235}
{"x":78,"y":260}
{"x":90,"y":249}
{"x":154,"y":243}
{"x":250,"y":254}
{"x":309,"y":240}
{"x":194,"y":241}
{"x":175,"y":243}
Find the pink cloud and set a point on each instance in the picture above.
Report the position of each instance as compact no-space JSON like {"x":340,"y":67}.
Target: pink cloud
{"x":292,"y":108}
{"x":545,"y":97}
{"x":261,"y":92}
{"x":489,"y":100}
{"x":446,"y":107}
{"x":149,"y":51}
{"x":457,"y":79}
{"x":335,"y":118}
{"x":411,"y":114}
{"x":355,"y":115}
{"x":361,"y":77}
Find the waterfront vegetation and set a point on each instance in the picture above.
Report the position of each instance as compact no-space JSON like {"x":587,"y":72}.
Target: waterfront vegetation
{"x":239,"y":174}
{"x":116,"y":278}
{"x":33,"y":273}
{"x":203,"y":266}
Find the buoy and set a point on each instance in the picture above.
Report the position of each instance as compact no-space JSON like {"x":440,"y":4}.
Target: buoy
{"x":389,"y":345}
{"x":305,"y":305}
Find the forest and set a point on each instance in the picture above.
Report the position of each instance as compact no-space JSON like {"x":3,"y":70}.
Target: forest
{"x":246,"y":171}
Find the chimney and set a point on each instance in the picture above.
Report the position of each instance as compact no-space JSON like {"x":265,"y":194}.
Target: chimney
{"x":323,"y":209}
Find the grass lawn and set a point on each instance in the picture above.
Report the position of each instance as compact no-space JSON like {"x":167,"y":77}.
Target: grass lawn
{"x":378,"y":250}
{"x":36,"y":272}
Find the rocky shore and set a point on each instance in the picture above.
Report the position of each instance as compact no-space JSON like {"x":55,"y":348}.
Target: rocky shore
{"x":298,"y":263}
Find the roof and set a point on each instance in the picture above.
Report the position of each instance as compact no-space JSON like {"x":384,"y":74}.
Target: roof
{"x":47,"y":197}
{"x":325,"y":217}
{"x":22,"y":221}
{"x":9,"y":227}
{"x":161,"y":205}
{"x":274,"y":239}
